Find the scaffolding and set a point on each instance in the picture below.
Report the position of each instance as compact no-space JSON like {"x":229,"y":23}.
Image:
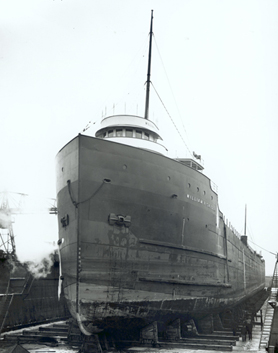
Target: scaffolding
{"x":274,"y":282}
{"x":7,"y":243}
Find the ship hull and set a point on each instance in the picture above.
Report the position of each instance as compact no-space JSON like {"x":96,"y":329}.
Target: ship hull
{"x":141,"y":237}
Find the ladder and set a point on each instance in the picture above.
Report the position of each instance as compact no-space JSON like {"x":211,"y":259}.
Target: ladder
{"x":274,"y":283}
{"x":271,"y":304}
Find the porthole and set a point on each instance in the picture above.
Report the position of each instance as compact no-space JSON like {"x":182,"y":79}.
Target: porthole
{"x":204,"y":192}
{"x":189,"y":185}
{"x":211,"y":197}
{"x":168,"y":178}
{"x":198,"y":189}
{"x":124,"y":167}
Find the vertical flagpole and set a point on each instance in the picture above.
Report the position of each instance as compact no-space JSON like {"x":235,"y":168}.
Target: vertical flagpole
{"x":149,"y":71}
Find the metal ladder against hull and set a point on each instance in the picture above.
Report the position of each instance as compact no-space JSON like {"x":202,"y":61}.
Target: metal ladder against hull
{"x":270,"y":309}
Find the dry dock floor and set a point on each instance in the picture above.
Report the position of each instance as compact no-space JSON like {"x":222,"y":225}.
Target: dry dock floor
{"x":240,"y":346}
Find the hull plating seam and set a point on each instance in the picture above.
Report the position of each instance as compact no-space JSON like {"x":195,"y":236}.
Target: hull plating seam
{"x":174,"y":281}
{"x":181,"y":247}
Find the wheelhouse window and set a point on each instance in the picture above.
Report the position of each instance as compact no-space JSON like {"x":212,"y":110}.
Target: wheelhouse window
{"x":138,"y":134}
{"x":128,"y":133}
{"x":146,"y":136}
{"x":110,"y":133}
{"x":119,"y":132}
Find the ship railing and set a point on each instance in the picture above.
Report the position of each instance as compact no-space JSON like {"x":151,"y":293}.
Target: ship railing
{"x":214,"y":187}
{"x":231,"y":227}
{"x":251,"y":249}
{"x":234,"y":231}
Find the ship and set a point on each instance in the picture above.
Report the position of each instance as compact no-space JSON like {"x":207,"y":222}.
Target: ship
{"x":141,"y":235}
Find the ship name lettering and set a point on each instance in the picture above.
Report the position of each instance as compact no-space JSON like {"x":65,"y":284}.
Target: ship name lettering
{"x":193,"y":198}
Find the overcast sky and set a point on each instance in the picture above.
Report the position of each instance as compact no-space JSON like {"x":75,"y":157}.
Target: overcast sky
{"x":65,"y":63}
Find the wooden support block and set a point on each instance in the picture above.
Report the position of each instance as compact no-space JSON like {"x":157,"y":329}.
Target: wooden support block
{"x":149,"y":334}
{"x":173,"y":330}
{"x":91,"y":344}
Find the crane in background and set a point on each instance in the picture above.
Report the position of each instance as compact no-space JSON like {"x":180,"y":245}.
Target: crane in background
{"x":11,"y":204}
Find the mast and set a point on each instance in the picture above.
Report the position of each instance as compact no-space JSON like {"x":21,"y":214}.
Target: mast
{"x":245,"y":222}
{"x":149,"y":71}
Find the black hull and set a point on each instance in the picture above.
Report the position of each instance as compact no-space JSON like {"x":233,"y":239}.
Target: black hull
{"x":141,"y":237}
